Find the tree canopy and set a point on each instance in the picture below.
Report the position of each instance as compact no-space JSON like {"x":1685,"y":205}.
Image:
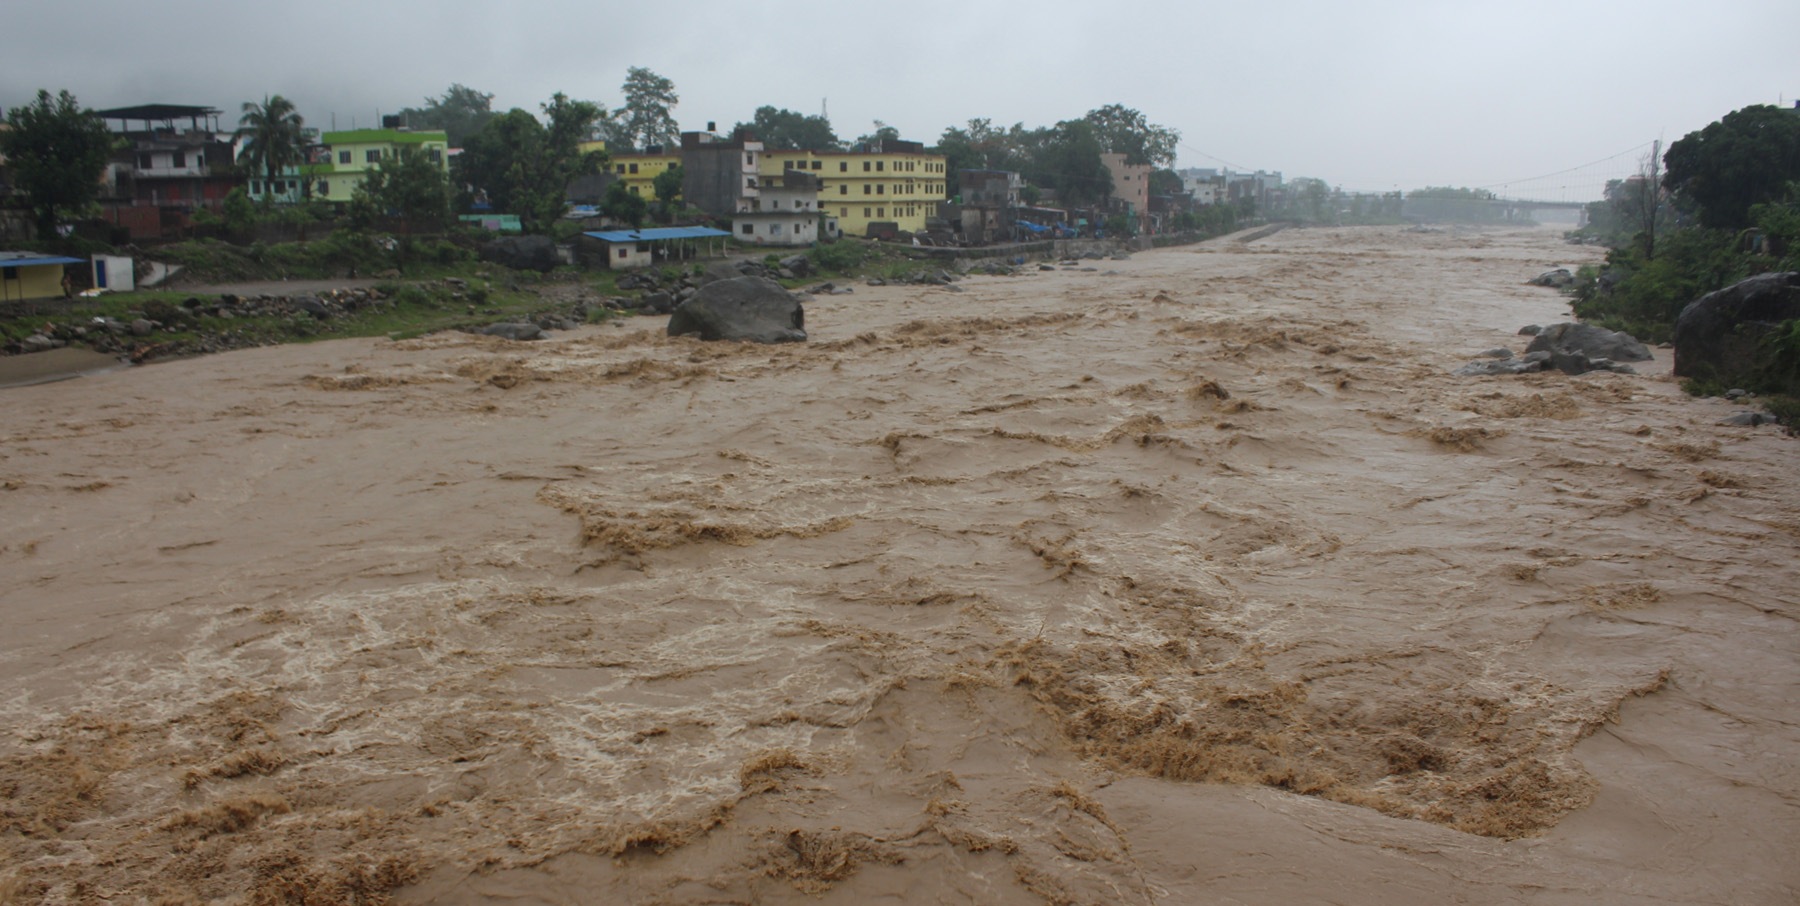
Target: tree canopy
{"x":525,"y":166}
{"x":57,"y":150}
{"x":1746,"y":158}
{"x":272,"y":137}
{"x":883,"y":133}
{"x":1066,"y":157}
{"x":624,"y":205}
{"x":787,"y":130}
{"x":461,"y":112}
{"x":648,"y":117}
{"x":410,"y":187}
{"x":1122,"y":130}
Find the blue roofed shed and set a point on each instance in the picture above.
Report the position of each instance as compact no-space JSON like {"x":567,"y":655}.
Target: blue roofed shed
{"x":32,"y":275}
{"x":624,"y":249}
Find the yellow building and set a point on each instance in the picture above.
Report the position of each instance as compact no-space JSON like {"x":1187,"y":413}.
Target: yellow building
{"x":897,"y":182}
{"x":346,"y":156}
{"x":639,"y":171}
{"x":30,"y":275}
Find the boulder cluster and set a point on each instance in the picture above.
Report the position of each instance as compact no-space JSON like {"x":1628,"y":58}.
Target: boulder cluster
{"x":659,"y":293}
{"x":1570,"y":348}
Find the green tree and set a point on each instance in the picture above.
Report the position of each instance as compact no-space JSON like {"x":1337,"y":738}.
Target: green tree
{"x":979,"y":146}
{"x":410,"y":187}
{"x":272,"y":139}
{"x":1166,"y":182}
{"x":1122,"y":130}
{"x":668,"y":188}
{"x":461,"y":112}
{"x":648,"y":117}
{"x":1309,"y":199}
{"x":1066,"y":157}
{"x":623,"y":205}
{"x":883,"y":133}
{"x":1745,"y":158}
{"x":525,"y":167}
{"x":787,"y":130}
{"x":57,"y":151}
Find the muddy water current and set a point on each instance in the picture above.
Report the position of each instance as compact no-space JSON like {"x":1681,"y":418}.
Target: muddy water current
{"x":1193,"y":577}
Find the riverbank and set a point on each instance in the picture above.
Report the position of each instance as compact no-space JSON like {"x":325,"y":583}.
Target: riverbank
{"x":1193,"y":577}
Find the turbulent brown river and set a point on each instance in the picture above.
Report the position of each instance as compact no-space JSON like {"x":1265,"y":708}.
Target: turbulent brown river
{"x":1189,"y":578}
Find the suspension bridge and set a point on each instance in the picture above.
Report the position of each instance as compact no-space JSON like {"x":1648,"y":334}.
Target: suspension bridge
{"x":1560,"y":196}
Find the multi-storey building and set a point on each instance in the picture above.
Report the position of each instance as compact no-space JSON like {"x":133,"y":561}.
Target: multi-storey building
{"x":172,"y":160}
{"x":1130,"y":188}
{"x":721,"y":176}
{"x":895,"y":182}
{"x":347,"y":156}
{"x":638,"y":171}
{"x":786,"y":211}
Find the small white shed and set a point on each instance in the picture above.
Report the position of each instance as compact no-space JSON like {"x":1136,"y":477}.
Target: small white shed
{"x":113,"y":273}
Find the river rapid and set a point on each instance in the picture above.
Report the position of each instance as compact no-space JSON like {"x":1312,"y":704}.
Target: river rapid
{"x":1193,"y":577}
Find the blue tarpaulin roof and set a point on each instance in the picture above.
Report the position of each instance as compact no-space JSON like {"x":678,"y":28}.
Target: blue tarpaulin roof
{"x":27,"y":259}
{"x":658,"y":233}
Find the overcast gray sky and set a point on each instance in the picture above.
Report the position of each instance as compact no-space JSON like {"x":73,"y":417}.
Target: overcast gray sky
{"x":1365,"y":95}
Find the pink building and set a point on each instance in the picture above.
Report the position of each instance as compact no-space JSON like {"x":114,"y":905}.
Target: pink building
{"x":1130,"y":188}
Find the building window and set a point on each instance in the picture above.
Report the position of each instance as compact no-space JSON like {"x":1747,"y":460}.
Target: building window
{"x":325,"y":185}
{"x":843,"y":166}
{"x":634,"y":168}
{"x":372,"y":156}
{"x":774,"y":229}
{"x":624,"y":252}
{"x":634,"y":191}
{"x":868,"y":189}
{"x":436,"y":155}
{"x":256,"y":187}
{"x":621,"y":168}
{"x":866,"y":211}
{"x":865,"y":166}
{"x":881,"y":212}
{"x":881,"y":189}
{"x":749,"y":158}
{"x":817,"y":164}
{"x":843,"y":189}
{"x":843,"y":212}
{"x":749,"y":229}
{"x":343,"y":157}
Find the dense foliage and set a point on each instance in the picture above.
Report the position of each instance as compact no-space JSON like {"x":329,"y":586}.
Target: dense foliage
{"x":648,"y":117}
{"x":56,"y":148}
{"x":1746,"y":158}
{"x":524,"y":166}
{"x":786,"y":130}
{"x":460,"y":113}
{"x":410,"y":188}
{"x":1729,"y":209}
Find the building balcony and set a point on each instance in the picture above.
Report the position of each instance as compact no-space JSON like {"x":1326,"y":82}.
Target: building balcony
{"x":192,"y":172}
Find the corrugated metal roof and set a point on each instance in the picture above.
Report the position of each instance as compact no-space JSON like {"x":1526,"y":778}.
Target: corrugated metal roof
{"x":27,"y":259}
{"x":657,"y":233}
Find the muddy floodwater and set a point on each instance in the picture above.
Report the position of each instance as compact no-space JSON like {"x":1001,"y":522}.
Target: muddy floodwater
{"x":1190,"y":578}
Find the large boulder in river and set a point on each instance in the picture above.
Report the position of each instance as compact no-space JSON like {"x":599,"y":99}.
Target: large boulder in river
{"x":1720,"y":336}
{"x":522,"y":253}
{"x":743,"y":308}
{"x":1590,"y":341}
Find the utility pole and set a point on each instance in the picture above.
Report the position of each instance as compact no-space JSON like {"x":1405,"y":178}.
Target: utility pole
{"x":1651,"y":201}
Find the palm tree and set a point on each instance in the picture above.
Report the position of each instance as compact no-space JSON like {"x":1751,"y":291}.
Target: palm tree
{"x":272,"y":140}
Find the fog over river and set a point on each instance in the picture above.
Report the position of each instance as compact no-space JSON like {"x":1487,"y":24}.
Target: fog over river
{"x":1189,"y":578}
